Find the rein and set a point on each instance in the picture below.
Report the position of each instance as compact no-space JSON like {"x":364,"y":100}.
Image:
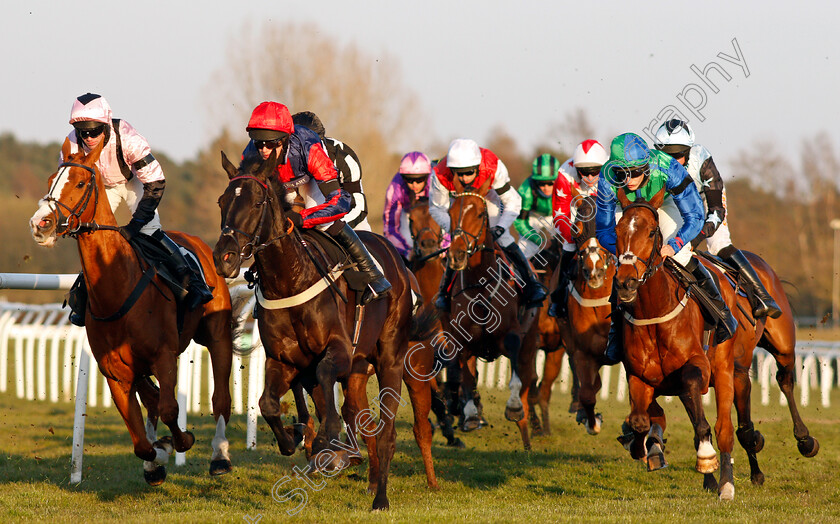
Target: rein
{"x":64,"y":227}
{"x":253,"y":246}
{"x":631,"y":258}
{"x":471,"y":240}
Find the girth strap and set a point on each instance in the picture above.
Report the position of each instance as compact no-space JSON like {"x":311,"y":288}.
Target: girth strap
{"x":302,"y":297}
{"x":147,"y":277}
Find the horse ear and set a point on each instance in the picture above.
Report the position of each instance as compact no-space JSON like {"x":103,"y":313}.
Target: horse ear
{"x":575,"y":193}
{"x":228,"y":166}
{"x":657,"y":199}
{"x":485,"y":187}
{"x":622,"y":197}
{"x":269,"y":165}
{"x":93,"y":156}
{"x":459,"y":187}
{"x":412,"y":198}
{"x":65,"y":149}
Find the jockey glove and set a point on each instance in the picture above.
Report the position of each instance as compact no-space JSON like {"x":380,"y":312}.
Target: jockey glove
{"x":497,"y":231}
{"x":296,"y":219}
{"x":133,"y":227}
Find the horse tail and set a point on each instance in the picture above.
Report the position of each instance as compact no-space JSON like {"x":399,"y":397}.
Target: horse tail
{"x":424,"y":323}
{"x":240,"y":305}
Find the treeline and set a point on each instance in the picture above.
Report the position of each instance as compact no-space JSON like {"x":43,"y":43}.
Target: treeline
{"x":768,"y":216}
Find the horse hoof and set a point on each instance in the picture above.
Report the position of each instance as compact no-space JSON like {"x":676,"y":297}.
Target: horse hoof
{"x":156,"y":476}
{"x":330,"y":461}
{"x":186,"y":443}
{"x":757,"y":479}
{"x":456,"y":443}
{"x":707,"y":464}
{"x":470,"y":424}
{"x":596,"y":429}
{"x":381,"y":503}
{"x":727,"y":491}
{"x":514,"y":414}
{"x":655,"y":458}
{"x":808,"y":446}
{"x":710,"y":482}
{"x":220,"y":467}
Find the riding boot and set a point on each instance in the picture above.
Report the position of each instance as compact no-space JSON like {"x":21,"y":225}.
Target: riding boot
{"x":378,"y":285}
{"x":443,"y":301}
{"x":726,"y":324}
{"x":197,"y":291}
{"x":77,"y":300}
{"x":534,"y":291}
{"x":615,"y":340}
{"x":760,"y":300}
{"x":560,"y":295}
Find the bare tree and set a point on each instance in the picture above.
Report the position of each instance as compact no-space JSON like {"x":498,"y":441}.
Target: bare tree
{"x":360,"y":98}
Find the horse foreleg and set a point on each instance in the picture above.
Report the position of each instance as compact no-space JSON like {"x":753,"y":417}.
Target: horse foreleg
{"x":420,"y":394}
{"x":695,"y":381}
{"x":590,"y":383}
{"x":166,"y":371}
{"x":390,"y":386}
{"x":527,"y":367}
{"x":278,"y":379}
{"x":551,"y":370}
{"x":221,"y":360}
{"x":334,"y":363}
{"x":356,"y":402}
{"x":514,"y":408}
{"x":469,"y":414}
{"x":150,"y":397}
{"x":641,"y":396}
{"x":750,"y":439}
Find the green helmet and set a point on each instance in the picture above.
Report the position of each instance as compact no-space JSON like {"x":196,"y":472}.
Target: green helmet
{"x":545,"y":167}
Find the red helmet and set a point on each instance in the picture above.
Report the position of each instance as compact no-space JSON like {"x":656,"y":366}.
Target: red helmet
{"x":270,"y":121}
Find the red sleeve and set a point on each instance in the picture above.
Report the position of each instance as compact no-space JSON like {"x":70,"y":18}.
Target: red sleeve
{"x":561,"y":205}
{"x":444,"y":175}
{"x":319,"y":164}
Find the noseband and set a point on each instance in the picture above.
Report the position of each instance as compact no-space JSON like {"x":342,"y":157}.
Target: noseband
{"x":253,"y":246}
{"x":471,"y":240}
{"x":630,"y":258}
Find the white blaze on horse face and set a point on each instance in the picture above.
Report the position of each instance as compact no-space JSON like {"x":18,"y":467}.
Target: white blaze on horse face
{"x":514,"y":402}
{"x":46,"y":207}
{"x":593,"y":256}
{"x":632,"y":227}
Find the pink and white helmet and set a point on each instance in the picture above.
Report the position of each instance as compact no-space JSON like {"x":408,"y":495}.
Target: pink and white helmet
{"x":90,"y":107}
{"x":415,"y":164}
{"x":590,"y":153}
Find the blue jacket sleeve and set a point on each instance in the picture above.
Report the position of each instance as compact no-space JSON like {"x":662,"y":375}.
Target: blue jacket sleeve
{"x":688,"y":202}
{"x":605,"y":216}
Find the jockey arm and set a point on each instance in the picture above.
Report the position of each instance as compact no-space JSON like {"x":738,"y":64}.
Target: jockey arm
{"x":605,"y":215}
{"x":688,"y":201}
{"x":439,"y":201}
{"x":395,"y":198}
{"x":511,"y":201}
{"x":337,"y":200}
{"x":138,"y":156}
{"x":715,"y":206}
{"x":350,"y":177}
{"x":561,"y":206}
{"x":522,"y":224}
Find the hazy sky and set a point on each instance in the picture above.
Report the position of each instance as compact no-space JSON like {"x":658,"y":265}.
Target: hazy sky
{"x":524,"y":65}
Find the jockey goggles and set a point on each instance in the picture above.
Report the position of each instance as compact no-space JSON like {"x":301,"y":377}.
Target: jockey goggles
{"x":91,"y":133}
{"x":465,"y":171}
{"x":621,"y":174}
{"x":270,"y":144}
{"x":588,"y":171}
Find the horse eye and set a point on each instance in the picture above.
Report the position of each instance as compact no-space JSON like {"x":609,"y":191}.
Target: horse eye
{"x":81,"y":184}
{"x":652,"y":232}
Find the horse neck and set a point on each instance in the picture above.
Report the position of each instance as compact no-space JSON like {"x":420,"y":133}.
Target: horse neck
{"x":285,"y":268}
{"x":658,"y":295}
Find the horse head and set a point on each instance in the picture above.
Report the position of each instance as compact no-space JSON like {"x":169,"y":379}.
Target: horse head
{"x":470,"y":224}
{"x":595,"y":264}
{"x":66,"y":206}
{"x":638,"y":242}
{"x":252,"y":216}
{"x":425,"y":231}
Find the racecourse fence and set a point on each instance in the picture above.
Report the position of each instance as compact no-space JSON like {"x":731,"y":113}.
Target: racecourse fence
{"x":52,"y":363}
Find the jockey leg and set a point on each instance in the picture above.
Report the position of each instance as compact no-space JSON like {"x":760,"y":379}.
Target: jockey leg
{"x":77,"y":300}
{"x":197,"y":291}
{"x":443,"y":300}
{"x":378,"y":285}
{"x":560,"y":296}
{"x":760,"y":300}
{"x":534,"y":290}
{"x":726,"y":324}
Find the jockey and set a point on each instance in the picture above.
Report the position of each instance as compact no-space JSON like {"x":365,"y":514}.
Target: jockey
{"x":408,"y":185}
{"x":676,"y":138}
{"x":473,"y":166}
{"x":311,"y":178}
{"x":132,"y":175}
{"x":643,"y":173}
{"x":536,"y":204}
{"x":581,"y":172}
{"x":349,"y":169}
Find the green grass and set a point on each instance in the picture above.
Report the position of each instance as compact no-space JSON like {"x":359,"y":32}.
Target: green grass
{"x":569,"y":476}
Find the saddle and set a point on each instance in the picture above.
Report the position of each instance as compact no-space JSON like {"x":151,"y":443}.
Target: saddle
{"x":335,"y":254}
{"x":688,"y":282}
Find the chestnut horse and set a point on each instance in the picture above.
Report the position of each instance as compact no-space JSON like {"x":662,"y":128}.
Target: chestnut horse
{"x":777,"y":336}
{"x":485,"y":320}
{"x":131,"y":326}
{"x":306,"y":328}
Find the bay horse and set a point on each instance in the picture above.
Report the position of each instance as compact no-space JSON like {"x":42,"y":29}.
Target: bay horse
{"x":589,"y":311}
{"x":486,"y":321}
{"x":131,"y":326}
{"x":425,"y":261}
{"x":311,"y":336}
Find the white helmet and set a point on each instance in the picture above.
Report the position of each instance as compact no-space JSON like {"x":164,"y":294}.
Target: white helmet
{"x":590,"y":153}
{"x":674,"y":136}
{"x":463,"y":152}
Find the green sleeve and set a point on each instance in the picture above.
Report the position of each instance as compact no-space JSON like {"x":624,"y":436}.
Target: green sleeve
{"x":521,"y":224}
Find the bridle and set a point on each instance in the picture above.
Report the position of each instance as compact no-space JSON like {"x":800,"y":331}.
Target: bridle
{"x":253,"y":246}
{"x":650,"y":264}
{"x":472,"y":241}
{"x":438,"y":236}
{"x":71,"y":224}
{"x":602,"y":254}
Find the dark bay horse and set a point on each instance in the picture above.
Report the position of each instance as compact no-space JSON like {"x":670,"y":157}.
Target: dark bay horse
{"x":485,"y":320}
{"x":307,"y":330}
{"x":134,"y":341}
